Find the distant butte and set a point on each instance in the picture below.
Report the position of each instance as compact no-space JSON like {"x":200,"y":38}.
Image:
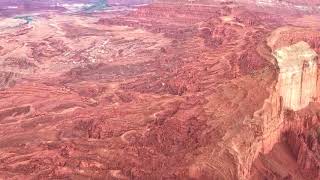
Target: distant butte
{"x":225,"y":90}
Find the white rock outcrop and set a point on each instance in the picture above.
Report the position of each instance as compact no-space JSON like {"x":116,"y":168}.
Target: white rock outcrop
{"x":298,"y":75}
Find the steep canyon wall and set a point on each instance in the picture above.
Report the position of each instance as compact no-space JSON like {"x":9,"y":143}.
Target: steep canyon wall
{"x":295,"y":89}
{"x":298,"y":75}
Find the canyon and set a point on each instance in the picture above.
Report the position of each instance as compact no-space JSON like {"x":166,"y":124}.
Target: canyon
{"x":225,"y":90}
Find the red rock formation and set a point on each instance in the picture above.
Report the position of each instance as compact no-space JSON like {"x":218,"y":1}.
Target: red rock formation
{"x":300,"y":136}
{"x":166,"y":91}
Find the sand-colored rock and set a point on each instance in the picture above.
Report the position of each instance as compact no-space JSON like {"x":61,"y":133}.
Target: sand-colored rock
{"x":298,"y":75}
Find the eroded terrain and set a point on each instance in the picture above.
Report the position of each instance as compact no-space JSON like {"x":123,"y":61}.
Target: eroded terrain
{"x":164,"y":91}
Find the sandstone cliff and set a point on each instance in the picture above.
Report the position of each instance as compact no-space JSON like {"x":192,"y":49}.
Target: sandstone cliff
{"x":296,"y":88}
{"x":296,"y":154}
{"x":298,"y":75}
